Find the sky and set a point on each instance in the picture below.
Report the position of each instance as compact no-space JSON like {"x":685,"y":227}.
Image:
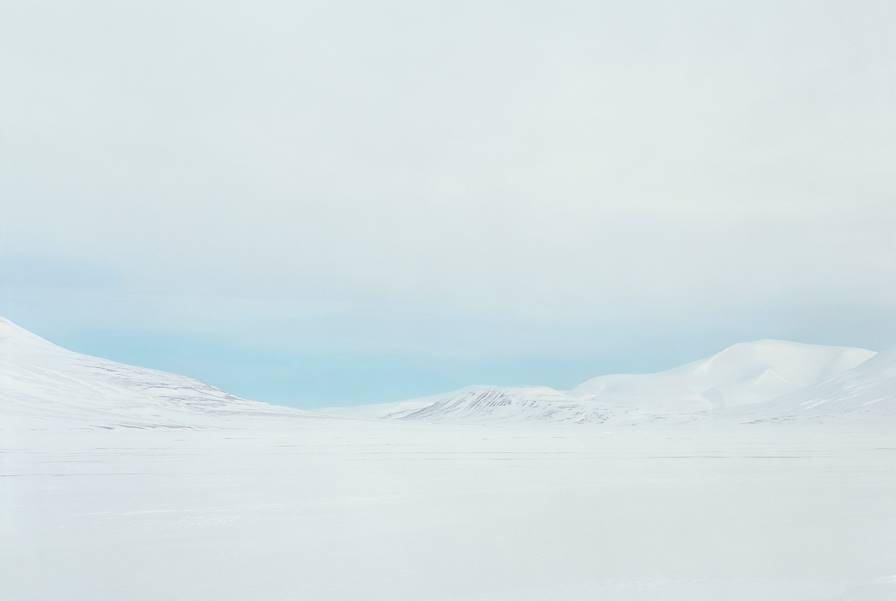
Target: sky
{"x":327,"y":203}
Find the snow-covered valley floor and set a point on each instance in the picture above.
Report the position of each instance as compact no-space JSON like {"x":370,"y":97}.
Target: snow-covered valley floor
{"x":336,"y":509}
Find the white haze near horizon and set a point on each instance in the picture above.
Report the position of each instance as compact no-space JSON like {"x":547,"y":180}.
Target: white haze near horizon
{"x":407,"y":177}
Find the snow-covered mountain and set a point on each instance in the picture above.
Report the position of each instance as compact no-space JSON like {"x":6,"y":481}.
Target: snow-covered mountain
{"x":752,"y":374}
{"x":763,"y":380}
{"x":40,"y":381}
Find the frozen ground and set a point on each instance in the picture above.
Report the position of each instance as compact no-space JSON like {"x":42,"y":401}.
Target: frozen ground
{"x":320,"y":508}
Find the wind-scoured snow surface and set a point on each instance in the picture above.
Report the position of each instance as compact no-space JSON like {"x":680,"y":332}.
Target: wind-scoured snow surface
{"x":400,"y":511}
{"x":213,"y":497}
{"x":748,"y":379}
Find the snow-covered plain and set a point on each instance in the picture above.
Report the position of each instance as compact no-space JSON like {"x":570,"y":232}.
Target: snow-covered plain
{"x":237,"y":500}
{"x":342,"y":509}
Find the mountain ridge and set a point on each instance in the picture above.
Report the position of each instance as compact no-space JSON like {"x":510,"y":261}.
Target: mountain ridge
{"x":745,"y":374}
{"x":762,"y":380}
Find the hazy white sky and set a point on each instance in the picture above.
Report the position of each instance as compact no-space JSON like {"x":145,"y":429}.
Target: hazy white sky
{"x":443,"y":193}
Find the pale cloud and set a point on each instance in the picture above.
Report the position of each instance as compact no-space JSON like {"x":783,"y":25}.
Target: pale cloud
{"x":578,"y":164}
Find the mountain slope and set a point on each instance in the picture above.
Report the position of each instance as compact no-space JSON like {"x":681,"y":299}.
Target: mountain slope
{"x":743,"y":375}
{"x":40,"y":381}
{"x":868,"y":389}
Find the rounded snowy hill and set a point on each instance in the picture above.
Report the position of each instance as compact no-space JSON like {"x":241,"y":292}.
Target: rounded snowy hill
{"x":41,"y":382}
{"x":748,"y":373}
